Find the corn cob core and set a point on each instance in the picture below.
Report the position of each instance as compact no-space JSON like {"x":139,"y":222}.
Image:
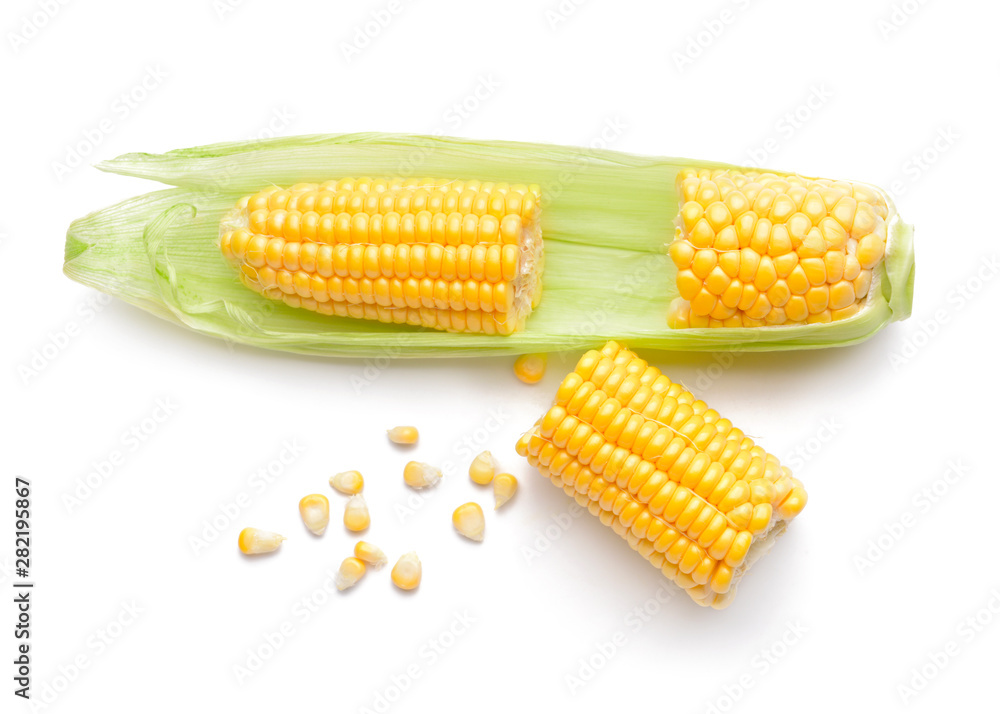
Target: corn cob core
{"x":448,"y":255}
{"x":755,"y":249}
{"x":687,"y":490}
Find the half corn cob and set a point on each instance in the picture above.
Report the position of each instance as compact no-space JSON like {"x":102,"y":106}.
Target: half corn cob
{"x":687,"y":490}
{"x":755,"y":249}
{"x":462,"y":256}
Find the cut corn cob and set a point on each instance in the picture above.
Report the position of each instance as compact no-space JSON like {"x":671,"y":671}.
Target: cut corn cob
{"x":687,"y":490}
{"x":462,"y":256}
{"x":755,"y":249}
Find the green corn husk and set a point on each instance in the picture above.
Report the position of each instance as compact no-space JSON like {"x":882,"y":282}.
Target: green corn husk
{"x":606,"y":219}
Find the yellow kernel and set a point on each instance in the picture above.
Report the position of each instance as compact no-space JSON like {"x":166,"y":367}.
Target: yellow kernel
{"x":315,"y":512}
{"x":483,"y":468}
{"x":351,"y":571}
{"x":254,"y":542}
{"x":420,"y":475}
{"x":349,"y":482}
{"x":403,"y":435}
{"x":372,"y":555}
{"x":504,"y":488}
{"x":356,"y":516}
{"x":407,"y":572}
{"x":469,"y":521}
{"x":530,"y":368}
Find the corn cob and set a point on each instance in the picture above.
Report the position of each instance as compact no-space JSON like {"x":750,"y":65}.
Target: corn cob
{"x":461,"y":256}
{"x":687,"y":490}
{"x":755,"y":249}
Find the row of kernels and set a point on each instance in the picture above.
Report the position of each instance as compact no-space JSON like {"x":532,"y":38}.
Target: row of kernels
{"x":480,"y":262}
{"x":390,"y":228}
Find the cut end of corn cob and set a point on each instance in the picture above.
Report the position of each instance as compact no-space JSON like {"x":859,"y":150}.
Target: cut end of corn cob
{"x":407,"y":572}
{"x":356,"y":516}
{"x":417,"y":474}
{"x":254,"y":542}
{"x":468,"y":520}
{"x":315,"y":512}
{"x":348,"y":482}
{"x":371,"y":554}
{"x":462,"y":256}
{"x":756,"y":249}
{"x":351,"y":571}
{"x":504,"y":488}
{"x":691,"y":493}
{"x":482,"y":468}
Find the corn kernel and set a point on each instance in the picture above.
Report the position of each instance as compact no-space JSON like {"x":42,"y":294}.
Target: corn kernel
{"x":350,"y":573}
{"x":403,"y":435}
{"x":407,"y":572}
{"x":504,"y":488}
{"x":469,"y":521}
{"x":530,"y":368}
{"x":417,"y":474}
{"x":483,"y":468}
{"x":253,"y":541}
{"x":356,"y":516}
{"x":369,"y":553}
{"x":315,"y":512}
{"x":348,"y":482}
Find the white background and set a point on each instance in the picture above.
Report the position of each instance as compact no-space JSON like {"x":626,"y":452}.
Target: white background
{"x":867,"y":428}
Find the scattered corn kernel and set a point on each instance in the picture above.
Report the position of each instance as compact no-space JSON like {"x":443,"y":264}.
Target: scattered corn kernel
{"x":315,"y":512}
{"x":530,"y":368}
{"x":356,"y":516}
{"x":468,"y":520}
{"x":350,"y":573}
{"x":349,"y":482}
{"x":371,"y":554}
{"x":254,"y":541}
{"x":420,"y":475}
{"x":504,"y":488}
{"x":403,"y":435}
{"x":482,"y":468}
{"x":407,"y":572}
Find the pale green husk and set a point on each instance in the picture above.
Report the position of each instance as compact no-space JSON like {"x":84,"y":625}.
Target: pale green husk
{"x":607,"y":218}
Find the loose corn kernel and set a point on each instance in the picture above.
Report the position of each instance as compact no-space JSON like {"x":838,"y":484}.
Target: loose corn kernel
{"x":254,"y":541}
{"x":350,"y":573}
{"x":504,"y":488}
{"x":356,"y":516}
{"x":482,"y":468}
{"x":417,"y":474}
{"x":348,"y":482}
{"x":407,"y":572}
{"x":469,"y":521}
{"x":315,"y":512}
{"x":531,"y":368}
{"x":403,"y":435}
{"x":370,"y":554}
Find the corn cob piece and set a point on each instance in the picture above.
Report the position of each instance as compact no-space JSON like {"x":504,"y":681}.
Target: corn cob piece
{"x":755,"y":249}
{"x":461,"y":256}
{"x":687,"y":490}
